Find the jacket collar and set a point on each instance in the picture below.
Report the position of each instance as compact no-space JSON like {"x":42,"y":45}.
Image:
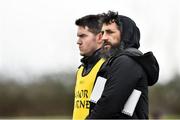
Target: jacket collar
{"x":91,"y":59}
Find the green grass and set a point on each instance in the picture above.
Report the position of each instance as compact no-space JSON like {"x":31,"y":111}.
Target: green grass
{"x":170,"y":117}
{"x":39,"y":117}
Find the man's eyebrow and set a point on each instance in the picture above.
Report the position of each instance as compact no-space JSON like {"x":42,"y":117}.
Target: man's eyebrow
{"x":81,"y":34}
{"x":107,"y":30}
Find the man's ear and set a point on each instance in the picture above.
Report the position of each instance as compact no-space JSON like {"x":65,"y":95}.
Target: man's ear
{"x":99,"y":38}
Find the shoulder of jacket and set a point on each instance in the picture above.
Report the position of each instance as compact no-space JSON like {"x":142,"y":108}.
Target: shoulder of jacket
{"x":128,"y":53}
{"x":118,"y":57}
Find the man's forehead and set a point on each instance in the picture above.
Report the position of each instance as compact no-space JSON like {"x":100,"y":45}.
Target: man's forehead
{"x":112,"y":25}
{"x":82,"y":29}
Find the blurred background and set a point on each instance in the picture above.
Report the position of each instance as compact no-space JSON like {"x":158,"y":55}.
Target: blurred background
{"x":39,"y":55}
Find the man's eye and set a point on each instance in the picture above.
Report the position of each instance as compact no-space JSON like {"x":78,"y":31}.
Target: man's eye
{"x":102,"y":32}
{"x":82,"y":35}
{"x":110,"y":32}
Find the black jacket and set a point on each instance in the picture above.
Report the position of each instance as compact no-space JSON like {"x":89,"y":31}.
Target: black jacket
{"x":124,"y":73}
{"x":126,"y":70}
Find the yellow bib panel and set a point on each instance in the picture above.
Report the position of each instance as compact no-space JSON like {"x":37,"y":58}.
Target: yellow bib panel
{"x":83,"y":90}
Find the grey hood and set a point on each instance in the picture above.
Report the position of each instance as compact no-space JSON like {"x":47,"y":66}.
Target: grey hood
{"x":129,"y":45}
{"x":130,"y":33}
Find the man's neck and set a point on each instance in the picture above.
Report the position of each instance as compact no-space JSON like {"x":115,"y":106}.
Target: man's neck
{"x":91,"y":59}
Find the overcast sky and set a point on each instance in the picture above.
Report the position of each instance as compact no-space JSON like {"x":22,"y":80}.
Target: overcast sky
{"x":38,"y":36}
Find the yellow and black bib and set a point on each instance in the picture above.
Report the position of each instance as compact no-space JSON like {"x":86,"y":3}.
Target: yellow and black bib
{"x":83,"y":90}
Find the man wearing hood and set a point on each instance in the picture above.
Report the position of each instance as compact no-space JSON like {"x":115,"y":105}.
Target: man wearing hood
{"x":121,"y":88}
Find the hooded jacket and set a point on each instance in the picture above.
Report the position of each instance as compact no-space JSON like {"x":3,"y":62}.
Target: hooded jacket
{"x":126,"y":70}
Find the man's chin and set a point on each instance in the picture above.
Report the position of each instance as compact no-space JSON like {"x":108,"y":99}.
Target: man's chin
{"x":109,"y":51}
{"x":105,"y":51}
{"x":107,"y":47}
{"x":85,"y":54}
{"x":82,"y":54}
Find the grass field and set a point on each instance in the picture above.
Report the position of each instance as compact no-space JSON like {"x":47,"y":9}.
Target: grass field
{"x":38,"y":117}
{"x":171,"y":117}
{"x":70,"y":117}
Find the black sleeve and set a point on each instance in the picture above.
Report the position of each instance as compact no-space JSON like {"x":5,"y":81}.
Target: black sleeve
{"x":122,"y":78}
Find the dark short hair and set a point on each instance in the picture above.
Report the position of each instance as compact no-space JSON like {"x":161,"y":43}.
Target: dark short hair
{"x":93,"y":22}
{"x":110,"y":17}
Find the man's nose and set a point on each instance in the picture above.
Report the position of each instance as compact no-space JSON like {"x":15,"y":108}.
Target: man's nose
{"x":105,"y":37}
{"x":79,"y":42}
